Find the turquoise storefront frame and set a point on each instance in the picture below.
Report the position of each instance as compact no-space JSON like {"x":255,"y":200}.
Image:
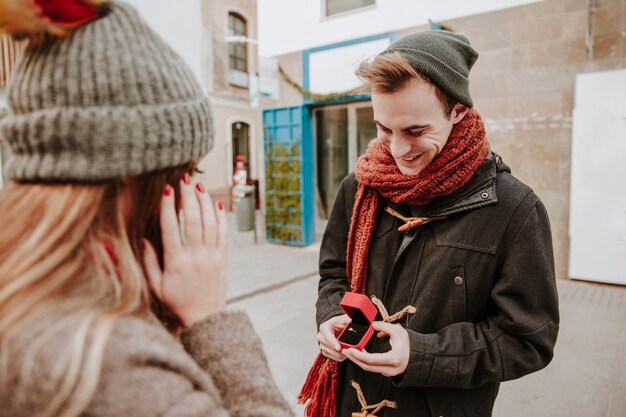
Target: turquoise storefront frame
{"x":293,"y":127}
{"x":289,"y":176}
{"x":306,"y":56}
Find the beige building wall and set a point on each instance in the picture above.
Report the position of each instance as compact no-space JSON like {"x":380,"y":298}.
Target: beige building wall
{"x":523,"y":84}
{"x":217,"y":166}
{"x":288,"y":96}
{"x":231,"y":102}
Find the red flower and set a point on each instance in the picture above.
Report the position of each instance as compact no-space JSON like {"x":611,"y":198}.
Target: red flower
{"x":35,"y":19}
{"x":70,"y":12}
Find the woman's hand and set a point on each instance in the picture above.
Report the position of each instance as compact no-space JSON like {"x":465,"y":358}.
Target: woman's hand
{"x":192,"y":283}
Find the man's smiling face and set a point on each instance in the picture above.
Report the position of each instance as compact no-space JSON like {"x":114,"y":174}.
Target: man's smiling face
{"x":412,"y":124}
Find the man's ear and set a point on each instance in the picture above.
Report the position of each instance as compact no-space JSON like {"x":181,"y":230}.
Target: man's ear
{"x":458,"y":113}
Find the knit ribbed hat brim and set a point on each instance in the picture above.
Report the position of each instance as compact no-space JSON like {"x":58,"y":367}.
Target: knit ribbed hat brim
{"x":47,"y":144}
{"x":445,"y":58}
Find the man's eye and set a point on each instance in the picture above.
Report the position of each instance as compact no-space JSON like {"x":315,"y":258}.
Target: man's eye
{"x":417,"y":133}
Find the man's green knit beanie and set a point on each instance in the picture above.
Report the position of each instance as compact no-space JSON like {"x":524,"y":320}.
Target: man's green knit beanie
{"x":444,"y":57}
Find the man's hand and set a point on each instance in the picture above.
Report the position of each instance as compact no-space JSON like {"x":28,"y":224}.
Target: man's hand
{"x":327,"y":337}
{"x":390,"y":363}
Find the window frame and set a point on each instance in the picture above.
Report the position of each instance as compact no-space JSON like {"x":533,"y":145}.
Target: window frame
{"x":237,"y":51}
{"x":325,"y":15}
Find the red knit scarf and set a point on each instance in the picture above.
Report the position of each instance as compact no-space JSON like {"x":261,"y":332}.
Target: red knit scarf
{"x":379,"y":177}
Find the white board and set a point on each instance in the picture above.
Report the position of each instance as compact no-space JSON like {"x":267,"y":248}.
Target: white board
{"x":598,"y":183}
{"x":332,"y":70}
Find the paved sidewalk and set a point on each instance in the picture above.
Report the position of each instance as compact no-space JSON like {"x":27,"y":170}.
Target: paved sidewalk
{"x":262,"y":266}
{"x":587,"y":377}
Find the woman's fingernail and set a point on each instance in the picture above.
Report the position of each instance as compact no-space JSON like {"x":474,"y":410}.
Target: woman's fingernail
{"x":168,"y":190}
{"x":199,"y":187}
{"x":143,"y":244}
{"x":220,"y":205}
{"x":186,"y":178}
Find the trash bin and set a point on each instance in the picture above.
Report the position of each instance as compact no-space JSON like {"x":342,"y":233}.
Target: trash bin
{"x":245,"y":205}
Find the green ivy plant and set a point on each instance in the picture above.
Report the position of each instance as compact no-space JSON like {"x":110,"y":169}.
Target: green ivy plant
{"x":308,"y":94}
{"x":283,"y":191}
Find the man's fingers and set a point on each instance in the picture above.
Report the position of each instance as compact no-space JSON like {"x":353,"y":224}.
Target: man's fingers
{"x":373,"y":359}
{"x":153,"y":269}
{"x":390,"y":329}
{"x":364,"y":362}
{"x":331,"y":353}
{"x":327,"y":336}
{"x":341,"y":322}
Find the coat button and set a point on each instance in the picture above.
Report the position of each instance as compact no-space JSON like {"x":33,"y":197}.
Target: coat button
{"x":484,"y":196}
{"x":458,"y":280}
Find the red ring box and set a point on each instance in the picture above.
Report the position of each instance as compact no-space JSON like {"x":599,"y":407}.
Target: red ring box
{"x":362,"y":312}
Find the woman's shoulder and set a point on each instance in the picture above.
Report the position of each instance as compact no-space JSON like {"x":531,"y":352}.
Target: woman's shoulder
{"x":125,"y":357}
{"x":141,"y":335}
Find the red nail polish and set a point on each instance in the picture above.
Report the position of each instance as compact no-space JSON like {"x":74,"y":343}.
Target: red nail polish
{"x":186,"y":178}
{"x":199,"y":187}
{"x":143,"y":244}
{"x":168,"y":190}
{"x":220,"y":205}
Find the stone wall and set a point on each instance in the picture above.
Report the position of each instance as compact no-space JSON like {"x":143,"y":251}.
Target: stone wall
{"x":292,"y":65}
{"x":523,"y":85}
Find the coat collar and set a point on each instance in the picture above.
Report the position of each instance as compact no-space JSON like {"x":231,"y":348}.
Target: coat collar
{"x":479,"y":191}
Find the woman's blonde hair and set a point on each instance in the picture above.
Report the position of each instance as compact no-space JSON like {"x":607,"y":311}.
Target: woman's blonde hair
{"x":75,"y":250}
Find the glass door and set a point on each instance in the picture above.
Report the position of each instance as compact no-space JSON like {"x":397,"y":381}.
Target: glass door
{"x":331,"y":127}
{"x":342,"y":134}
{"x":365,"y":128}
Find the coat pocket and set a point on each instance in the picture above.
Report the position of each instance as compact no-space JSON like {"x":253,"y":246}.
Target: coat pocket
{"x":459,"y":293}
{"x":442,"y":403}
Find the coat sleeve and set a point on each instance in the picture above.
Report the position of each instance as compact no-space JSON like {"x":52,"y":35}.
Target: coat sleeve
{"x":516,"y":339}
{"x":332,"y":264}
{"x":147,"y":372}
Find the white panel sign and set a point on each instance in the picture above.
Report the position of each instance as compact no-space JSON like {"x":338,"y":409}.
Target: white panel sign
{"x":254,"y":91}
{"x":270,"y":78}
{"x":598,"y":194}
{"x":332,"y":70}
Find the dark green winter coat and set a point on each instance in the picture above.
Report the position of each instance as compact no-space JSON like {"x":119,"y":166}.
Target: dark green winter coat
{"x":482,"y":282}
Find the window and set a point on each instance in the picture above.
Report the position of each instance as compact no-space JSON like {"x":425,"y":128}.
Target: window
{"x":237,"y":51}
{"x":339,"y":6}
{"x":342,"y":133}
{"x":241,"y":143}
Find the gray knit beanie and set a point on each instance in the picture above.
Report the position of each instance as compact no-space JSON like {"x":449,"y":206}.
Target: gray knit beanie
{"x":444,"y":57}
{"x":111,"y":100}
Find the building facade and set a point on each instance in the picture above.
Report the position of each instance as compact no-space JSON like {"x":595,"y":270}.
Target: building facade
{"x":232,"y":67}
{"x":218,"y":39}
{"x":523,"y":84}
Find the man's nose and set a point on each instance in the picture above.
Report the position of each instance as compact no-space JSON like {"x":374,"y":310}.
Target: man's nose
{"x":399,"y":147}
